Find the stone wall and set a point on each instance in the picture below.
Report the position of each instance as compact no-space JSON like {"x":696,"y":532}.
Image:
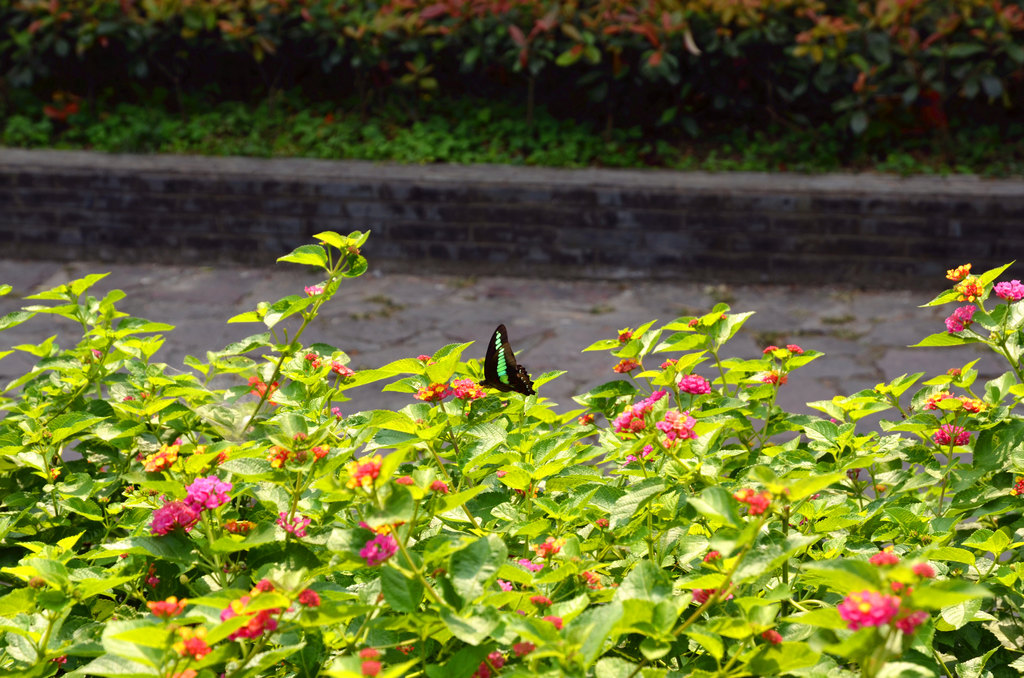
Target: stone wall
{"x":871,"y":230}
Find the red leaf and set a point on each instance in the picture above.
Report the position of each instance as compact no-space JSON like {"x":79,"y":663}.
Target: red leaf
{"x":434,"y":11}
{"x":517,"y":35}
{"x":655,"y":59}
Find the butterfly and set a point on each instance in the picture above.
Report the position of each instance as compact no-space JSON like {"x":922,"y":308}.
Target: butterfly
{"x":501,"y":371}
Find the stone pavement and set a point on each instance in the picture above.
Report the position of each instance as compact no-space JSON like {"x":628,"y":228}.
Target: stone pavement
{"x":382,"y":317}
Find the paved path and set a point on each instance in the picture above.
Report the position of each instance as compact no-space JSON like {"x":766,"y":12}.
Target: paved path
{"x":378,"y":318}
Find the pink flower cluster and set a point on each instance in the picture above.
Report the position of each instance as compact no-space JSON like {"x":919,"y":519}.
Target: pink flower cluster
{"x":207,"y":493}
{"x":434,"y":393}
{"x":695,"y":384}
{"x":378,"y":549}
{"x":632,"y":418}
{"x":259,"y":622}
{"x":701,"y":596}
{"x":884,"y":557}
{"x":646,"y":452}
{"x":677,"y":425}
{"x":961,"y":318}
{"x":495,"y":660}
{"x":172,"y":515}
{"x":530,"y":565}
{"x":868,"y":608}
{"x":948,"y":433}
{"x":467,"y":389}
{"x":296,"y":525}
{"x":757,"y":502}
{"x":1011,"y":291}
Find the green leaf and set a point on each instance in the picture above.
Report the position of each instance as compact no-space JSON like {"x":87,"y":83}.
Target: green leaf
{"x":592,"y":628}
{"x":987,"y":540}
{"x":842,"y":576}
{"x":475,"y":565}
{"x":645,"y":582}
{"x":774,"y":660}
{"x":717,"y":504}
{"x":473,"y":627}
{"x":308,"y":255}
{"x":944,"y":339}
{"x":824,"y":618}
{"x":951,"y":554}
{"x":67,"y":425}
{"x":711,"y":642}
{"x":934,"y":595}
{"x":14,"y":319}
{"x":111,"y":666}
{"x":401,"y":592}
{"x":974,"y":668}
{"x":811,"y":485}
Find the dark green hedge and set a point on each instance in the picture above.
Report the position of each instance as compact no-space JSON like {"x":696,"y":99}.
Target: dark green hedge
{"x":908,"y":65}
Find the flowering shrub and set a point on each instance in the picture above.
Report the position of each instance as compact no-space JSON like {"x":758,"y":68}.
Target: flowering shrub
{"x":169,"y":523}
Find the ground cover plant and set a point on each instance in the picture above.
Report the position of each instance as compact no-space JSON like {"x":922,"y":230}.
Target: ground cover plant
{"x":238,"y":516}
{"x":871,"y":80}
{"x":473,"y":130}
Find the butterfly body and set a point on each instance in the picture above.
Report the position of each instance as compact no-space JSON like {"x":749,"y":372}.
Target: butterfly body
{"x":501,"y":371}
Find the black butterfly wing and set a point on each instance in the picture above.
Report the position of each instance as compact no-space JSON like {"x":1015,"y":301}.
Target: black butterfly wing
{"x":501,"y":371}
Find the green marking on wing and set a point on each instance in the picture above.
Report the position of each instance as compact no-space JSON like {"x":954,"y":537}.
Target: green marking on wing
{"x":502,"y":366}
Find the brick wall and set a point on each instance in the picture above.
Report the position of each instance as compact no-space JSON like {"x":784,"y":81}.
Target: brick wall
{"x":741,"y":227}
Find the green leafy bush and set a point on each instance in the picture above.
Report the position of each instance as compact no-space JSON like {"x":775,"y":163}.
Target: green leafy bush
{"x":878,"y":68}
{"x":228,"y":519}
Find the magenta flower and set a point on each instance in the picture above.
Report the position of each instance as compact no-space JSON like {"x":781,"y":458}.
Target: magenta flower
{"x":505,"y":585}
{"x":172,"y":515}
{"x":646,"y":452}
{"x":313,"y":290}
{"x":695,"y":384}
{"x":948,"y":433}
{"x":207,"y":493}
{"x":677,"y":425}
{"x":632,"y":418}
{"x":378,"y":549}
{"x":530,"y":565}
{"x":467,"y":389}
{"x":884,"y":557}
{"x":910,"y":623}
{"x":296,"y":525}
{"x":961,"y":318}
{"x":1011,"y":291}
{"x":868,"y":608}
{"x":630,"y":421}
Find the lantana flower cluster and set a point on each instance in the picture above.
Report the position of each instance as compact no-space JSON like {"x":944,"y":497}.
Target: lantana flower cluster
{"x":948,"y":433}
{"x":961,"y":318}
{"x":378,"y":549}
{"x":363,"y":473}
{"x":694,"y":384}
{"x":757,"y":502}
{"x":677,"y":426}
{"x":870,"y":608}
{"x":632,"y":419}
{"x":162,"y":459}
{"x":259,"y":622}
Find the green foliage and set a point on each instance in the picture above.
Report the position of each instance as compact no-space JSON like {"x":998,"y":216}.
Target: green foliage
{"x":898,"y":81}
{"x":469,"y":130}
{"x":229,"y":519}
